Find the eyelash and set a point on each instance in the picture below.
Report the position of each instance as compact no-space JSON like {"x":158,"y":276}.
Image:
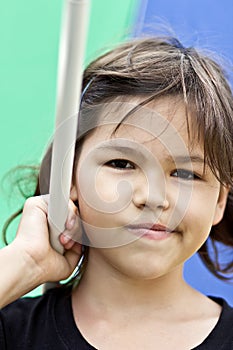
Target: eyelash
{"x":124,"y":164}
{"x":121,"y":164}
{"x":183,"y":172}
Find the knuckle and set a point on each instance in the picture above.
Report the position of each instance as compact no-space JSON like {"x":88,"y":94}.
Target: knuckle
{"x":34,"y":202}
{"x":30,"y":202}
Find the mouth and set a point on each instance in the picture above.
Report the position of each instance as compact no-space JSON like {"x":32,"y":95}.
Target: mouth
{"x":155,"y":232}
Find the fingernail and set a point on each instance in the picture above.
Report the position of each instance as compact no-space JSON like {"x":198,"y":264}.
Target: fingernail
{"x":66,"y":239}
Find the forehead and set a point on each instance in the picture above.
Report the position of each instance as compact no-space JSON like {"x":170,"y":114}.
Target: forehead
{"x":161,"y":122}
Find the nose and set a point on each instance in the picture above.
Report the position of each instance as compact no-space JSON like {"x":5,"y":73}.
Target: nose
{"x":150,"y":191}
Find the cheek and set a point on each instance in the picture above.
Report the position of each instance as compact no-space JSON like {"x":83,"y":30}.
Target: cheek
{"x":102,"y":229}
{"x":106,"y":187}
{"x":114,"y":188}
{"x":108,"y":193}
{"x":200,"y":212}
{"x":102,"y":207}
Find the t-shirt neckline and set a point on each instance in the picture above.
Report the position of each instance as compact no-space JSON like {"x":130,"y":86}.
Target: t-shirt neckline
{"x":71,"y":335}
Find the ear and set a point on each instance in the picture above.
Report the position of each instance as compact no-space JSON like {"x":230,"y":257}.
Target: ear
{"x":221,"y":204}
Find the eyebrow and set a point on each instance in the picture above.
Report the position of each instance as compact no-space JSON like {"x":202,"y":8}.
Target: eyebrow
{"x":194,"y":158}
{"x":121,"y":149}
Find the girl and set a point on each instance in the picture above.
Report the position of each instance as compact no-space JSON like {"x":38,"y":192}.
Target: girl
{"x":151,"y":182}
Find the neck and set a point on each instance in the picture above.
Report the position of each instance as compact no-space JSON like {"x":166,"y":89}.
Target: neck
{"x":108,"y":289}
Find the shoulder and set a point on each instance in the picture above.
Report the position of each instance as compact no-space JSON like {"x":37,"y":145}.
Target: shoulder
{"x":31,"y":319}
{"x":44,"y":322}
{"x":227,"y":311}
{"x":221,"y":336}
{"x":27,"y":306}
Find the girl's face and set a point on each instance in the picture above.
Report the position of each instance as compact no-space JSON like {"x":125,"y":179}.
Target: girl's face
{"x":146,"y":201}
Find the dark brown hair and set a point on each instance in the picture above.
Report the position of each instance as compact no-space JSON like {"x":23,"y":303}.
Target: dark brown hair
{"x":161,"y":66}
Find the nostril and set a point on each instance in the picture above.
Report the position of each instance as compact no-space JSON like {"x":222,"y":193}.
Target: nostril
{"x":164,"y":205}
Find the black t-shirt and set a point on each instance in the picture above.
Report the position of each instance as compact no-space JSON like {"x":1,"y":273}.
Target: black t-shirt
{"x":47,"y":322}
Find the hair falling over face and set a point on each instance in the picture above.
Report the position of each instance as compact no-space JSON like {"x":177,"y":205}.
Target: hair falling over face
{"x":161,"y":66}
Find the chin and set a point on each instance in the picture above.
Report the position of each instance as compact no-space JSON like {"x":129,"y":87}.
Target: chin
{"x":145,"y":273}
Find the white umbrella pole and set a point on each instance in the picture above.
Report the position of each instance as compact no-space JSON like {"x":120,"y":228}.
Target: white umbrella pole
{"x":70,"y":68}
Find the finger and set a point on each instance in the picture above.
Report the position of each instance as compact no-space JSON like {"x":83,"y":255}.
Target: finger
{"x":74,"y":233}
{"x":73,"y":257}
{"x":77,"y":248}
{"x":34,"y":211}
{"x":45,"y":198}
{"x":69,"y":245}
{"x":66,"y":241}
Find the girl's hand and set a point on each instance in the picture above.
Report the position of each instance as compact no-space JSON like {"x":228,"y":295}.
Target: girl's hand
{"x":32,"y":241}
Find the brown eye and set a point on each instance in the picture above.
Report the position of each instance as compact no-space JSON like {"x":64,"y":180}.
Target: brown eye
{"x":120,"y":164}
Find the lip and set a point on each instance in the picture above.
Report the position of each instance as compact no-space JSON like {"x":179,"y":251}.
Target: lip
{"x":155,"y":232}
